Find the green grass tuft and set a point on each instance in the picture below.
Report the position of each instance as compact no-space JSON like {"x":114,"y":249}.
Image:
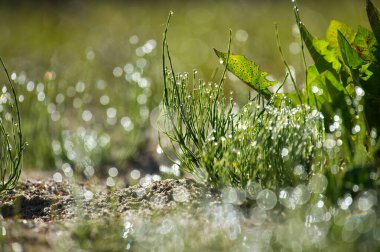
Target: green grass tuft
{"x":11,"y":138}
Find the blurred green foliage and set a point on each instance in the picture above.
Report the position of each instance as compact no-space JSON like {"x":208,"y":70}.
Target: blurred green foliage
{"x":63,"y":43}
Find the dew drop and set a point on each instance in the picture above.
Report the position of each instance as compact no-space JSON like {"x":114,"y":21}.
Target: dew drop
{"x":266,"y":199}
{"x":253,"y":188}
{"x":112,"y":172}
{"x":57,"y":177}
{"x":318,"y":183}
{"x":88,"y":195}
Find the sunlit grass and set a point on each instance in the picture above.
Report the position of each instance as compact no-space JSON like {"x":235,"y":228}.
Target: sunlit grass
{"x":12,"y":143}
{"x":223,"y":145}
{"x":285,"y":178}
{"x":63,"y":51}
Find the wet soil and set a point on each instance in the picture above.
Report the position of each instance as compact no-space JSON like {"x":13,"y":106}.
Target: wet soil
{"x":34,"y":212}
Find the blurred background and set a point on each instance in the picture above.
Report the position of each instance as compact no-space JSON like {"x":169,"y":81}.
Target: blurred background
{"x":89,"y":73}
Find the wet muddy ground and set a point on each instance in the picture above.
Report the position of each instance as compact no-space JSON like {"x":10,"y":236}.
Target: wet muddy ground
{"x":36,"y":212}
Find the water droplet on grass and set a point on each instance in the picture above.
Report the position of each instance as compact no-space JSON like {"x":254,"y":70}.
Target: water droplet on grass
{"x":253,"y":188}
{"x":21,"y":98}
{"x":356,"y":129}
{"x":110,"y":182}
{"x":135,"y":174}
{"x":57,"y":177}
{"x":111,"y":112}
{"x":284,"y":152}
{"x":298,"y":170}
{"x":67,"y":170}
{"x":88,"y":195}
{"x":113,"y":171}
{"x":104,"y":99}
{"x":41,"y":96}
{"x":80,"y":87}
{"x":266,"y":199}
{"x":86,"y":115}
{"x":330,"y":143}
{"x":318,"y":183}
{"x":286,"y":198}
{"x":233,"y":196}
{"x":159,"y":150}
{"x":30,"y":86}
{"x":89,"y":171}
{"x":301,"y":194}
{"x":117,"y":72}
{"x":128,"y":68}
{"x":359,"y":91}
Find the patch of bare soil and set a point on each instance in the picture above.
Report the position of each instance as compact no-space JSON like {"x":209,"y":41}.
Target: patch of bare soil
{"x":35,"y":211}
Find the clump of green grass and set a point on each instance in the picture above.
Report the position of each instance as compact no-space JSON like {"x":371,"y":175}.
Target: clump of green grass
{"x":11,"y":138}
{"x":279,"y":139}
{"x":272,"y":145}
{"x":225,"y":146}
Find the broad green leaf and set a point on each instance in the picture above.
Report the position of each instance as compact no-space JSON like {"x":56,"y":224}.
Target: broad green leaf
{"x":318,"y":58}
{"x":365,"y":44}
{"x":248,"y":72}
{"x":349,"y":55}
{"x":332,"y":33}
{"x":329,"y":54}
{"x":324,"y":57}
{"x":373,"y":17}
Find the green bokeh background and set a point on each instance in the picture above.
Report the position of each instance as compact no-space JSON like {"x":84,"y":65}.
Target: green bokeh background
{"x":60,"y":36}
